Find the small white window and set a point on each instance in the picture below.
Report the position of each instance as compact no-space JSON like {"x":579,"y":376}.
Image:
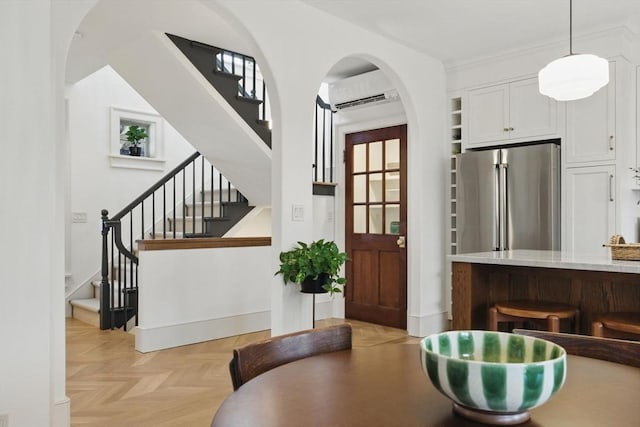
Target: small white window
{"x":150,"y":152}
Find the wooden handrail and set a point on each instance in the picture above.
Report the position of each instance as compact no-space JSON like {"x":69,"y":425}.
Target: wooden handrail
{"x":202,"y":243}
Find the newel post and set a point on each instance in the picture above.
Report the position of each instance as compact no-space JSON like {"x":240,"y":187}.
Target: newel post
{"x":105,"y":296}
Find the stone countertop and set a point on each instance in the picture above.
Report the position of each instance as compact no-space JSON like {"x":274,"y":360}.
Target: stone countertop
{"x":549,"y":259}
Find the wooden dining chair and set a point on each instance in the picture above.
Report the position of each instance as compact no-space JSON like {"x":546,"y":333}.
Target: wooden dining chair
{"x":258,"y":357}
{"x":611,"y":350}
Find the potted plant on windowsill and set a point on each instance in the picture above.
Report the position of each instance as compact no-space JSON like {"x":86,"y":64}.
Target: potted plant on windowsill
{"x":135,"y":134}
{"x":315,"y":266}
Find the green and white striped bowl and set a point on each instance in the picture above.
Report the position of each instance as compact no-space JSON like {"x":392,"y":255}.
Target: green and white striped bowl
{"x":495,"y":372}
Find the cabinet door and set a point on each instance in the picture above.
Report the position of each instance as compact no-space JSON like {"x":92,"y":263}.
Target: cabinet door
{"x":591,"y":207}
{"x":488,"y":114}
{"x":531,"y":114}
{"x":591,"y":125}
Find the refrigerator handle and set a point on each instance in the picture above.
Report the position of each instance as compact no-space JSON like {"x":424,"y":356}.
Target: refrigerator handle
{"x":496,"y":209}
{"x":611,"y":188}
{"x":504,"y":229}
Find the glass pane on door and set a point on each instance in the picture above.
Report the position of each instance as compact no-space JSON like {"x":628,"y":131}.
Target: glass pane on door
{"x":392,"y":219}
{"x":375,"y":219}
{"x":360,"y":158}
{"x":392,"y":154}
{"x":392,"y":186}
{"x":359,"y":188}
{"x":360,"y":219}
{"x":375,"y":187}
{"x":375,"y":156}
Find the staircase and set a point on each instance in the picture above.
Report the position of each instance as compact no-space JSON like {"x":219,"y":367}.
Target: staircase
{"x":236,"y":77}
{"x":189,"y":201}
{"x":208,"y":211}
{"x":193,"y":200}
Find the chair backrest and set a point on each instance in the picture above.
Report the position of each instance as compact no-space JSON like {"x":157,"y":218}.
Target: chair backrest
{"x":256,"y":358}
{"x":611,"y":350}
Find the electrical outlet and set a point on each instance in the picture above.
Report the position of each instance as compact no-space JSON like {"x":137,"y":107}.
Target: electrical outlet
{"x":4,"y":420}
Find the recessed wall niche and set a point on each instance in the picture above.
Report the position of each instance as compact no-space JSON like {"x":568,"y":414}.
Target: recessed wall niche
{"x":152,"y":147}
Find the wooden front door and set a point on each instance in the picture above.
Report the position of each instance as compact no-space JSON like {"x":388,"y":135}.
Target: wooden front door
{"x":376,"y":226}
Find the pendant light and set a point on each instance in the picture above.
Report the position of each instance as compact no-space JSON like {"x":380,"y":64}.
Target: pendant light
{"x":574,"y":76}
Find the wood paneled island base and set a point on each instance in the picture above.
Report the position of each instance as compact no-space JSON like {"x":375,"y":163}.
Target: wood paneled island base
{"x":594,"y":285}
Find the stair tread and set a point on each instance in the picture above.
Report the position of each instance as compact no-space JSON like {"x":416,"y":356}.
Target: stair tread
{"x":91,"y":304}
{"x":186,"y":218}
{"x":218,"y":218}
{"x":249,"y":99}
{"x":96,"y":283}
{"x":160,"y":235}
{"x":230,"y":76}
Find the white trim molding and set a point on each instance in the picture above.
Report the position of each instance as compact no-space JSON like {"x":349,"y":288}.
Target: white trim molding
{"x":61,"y":414}
{"x":163,"y":337}
{"x":422,"y":326}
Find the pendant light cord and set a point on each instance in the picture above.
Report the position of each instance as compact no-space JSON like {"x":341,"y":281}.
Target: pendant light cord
{"x":570,"y":27}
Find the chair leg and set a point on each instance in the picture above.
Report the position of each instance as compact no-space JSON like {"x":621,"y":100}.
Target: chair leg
{"x":492,"y":323}
{"x":553,"y":323}
{"x":597,"y":329}
{"x":576,"y":322}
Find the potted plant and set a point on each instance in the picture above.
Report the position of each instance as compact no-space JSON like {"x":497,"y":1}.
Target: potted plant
{"x":134,"y":135}
{"x":315,"y":266}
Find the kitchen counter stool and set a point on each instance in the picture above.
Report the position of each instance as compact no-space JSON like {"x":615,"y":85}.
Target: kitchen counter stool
{"x":617,"y":325}
{"x":521,"y":311}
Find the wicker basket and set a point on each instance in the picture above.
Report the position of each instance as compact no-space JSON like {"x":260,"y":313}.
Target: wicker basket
{"x":622,"y":250}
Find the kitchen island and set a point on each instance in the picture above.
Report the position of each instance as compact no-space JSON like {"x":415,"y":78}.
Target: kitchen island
{"x":595,"y":284}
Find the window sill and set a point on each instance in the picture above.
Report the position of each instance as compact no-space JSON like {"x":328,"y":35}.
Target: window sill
{"x":133,"y":162}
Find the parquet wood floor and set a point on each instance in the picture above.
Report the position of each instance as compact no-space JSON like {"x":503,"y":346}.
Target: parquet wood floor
{"x":111,"y":384}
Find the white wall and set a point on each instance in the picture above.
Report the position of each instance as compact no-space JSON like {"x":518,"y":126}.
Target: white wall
{"x":95,"y":185}
{"x":31,"y":262}
{"x":194,"y":295}
{"x":420,"y":81}
{"x":34,"y":36}
{"x":256,"y":223}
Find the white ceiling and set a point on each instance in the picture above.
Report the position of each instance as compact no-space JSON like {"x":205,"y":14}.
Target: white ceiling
{"x":457,"y":31}
{"x":454,"y":31}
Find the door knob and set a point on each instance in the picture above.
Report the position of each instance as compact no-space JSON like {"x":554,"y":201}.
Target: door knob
{"x":401,"y":242}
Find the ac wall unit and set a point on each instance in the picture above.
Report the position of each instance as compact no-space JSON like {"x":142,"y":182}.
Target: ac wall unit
{"x":363,"y":89}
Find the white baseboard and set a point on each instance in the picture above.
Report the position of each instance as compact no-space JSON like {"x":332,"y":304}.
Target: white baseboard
{"x":421,"y":326}
{"x":61,"y":414}
{"x":159,"y":338}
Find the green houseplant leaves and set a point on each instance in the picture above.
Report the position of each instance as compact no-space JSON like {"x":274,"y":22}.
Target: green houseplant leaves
{"x":310,"y":260}
{"x":135,"y":134}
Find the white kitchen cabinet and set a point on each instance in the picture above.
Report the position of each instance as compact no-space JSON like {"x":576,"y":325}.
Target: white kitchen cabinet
{"x":510,"y":112}
{"x":591,"y":125}
{"x":590,"y":208}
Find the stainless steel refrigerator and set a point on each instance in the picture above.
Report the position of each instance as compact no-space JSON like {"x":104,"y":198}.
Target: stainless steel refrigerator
{"x":508,"y":198}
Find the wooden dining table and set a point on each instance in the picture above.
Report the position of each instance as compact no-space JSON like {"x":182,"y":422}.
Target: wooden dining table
{"x":384,"y":385}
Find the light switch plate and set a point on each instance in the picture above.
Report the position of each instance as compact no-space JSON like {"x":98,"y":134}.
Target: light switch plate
{"x":77,"y":217}
{"x":297,"y":212}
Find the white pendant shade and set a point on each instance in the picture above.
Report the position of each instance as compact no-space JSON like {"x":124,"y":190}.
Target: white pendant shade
{"x":573,"y":77}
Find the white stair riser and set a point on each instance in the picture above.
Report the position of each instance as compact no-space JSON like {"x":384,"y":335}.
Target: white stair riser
{"x":206,"y":195}
{"x":185,"y":225}
{"x":86,"y":316}
{"x":207,"y":209}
